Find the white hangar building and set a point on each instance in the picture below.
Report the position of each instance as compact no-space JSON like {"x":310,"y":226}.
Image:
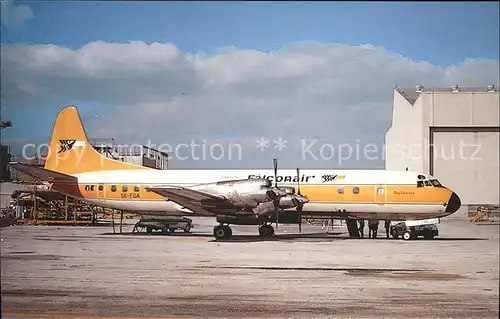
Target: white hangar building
{"x":453,"y":134}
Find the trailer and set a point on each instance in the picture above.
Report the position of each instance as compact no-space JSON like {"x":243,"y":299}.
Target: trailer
{"x":165,"y":224}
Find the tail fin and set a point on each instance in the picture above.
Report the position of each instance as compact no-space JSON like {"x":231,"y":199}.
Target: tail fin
{"x":70,"y":152}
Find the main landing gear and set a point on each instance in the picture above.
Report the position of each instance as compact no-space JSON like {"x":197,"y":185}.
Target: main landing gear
{"x":222,"y":231}
{"x":266,"y":230}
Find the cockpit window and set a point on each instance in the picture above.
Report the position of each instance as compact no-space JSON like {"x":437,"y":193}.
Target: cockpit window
{"x":436,"y":183}
{"x":427,"y":183}
{"x":420,"y":184}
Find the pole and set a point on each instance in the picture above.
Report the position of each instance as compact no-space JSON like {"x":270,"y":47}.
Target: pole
{"x":66,"y":208}
{"x":113,"y":220}
{"x":121,"y":221}
{"x":34,"y":203}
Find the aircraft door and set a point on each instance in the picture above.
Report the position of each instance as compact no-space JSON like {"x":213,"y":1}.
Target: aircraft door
{"x":380,"y":194}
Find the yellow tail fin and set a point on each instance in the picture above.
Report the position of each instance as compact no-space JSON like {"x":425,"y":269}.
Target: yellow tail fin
{"x":70,"y":152}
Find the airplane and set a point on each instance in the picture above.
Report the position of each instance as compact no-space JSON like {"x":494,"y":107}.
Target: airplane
{"x":239,"y":197}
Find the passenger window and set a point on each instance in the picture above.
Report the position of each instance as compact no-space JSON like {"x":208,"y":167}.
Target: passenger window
{"x":101,"y":188}
{"x":380,"y":190}
{"x":355,"y":190}
{"x":146,"y":187}
{"x":420,"y":184}
{"x":92,"y":187}
{"x":340,"y":190}
{"x":136,"y":188}
{"x":113,"y":188}
{"x":124,"y":188}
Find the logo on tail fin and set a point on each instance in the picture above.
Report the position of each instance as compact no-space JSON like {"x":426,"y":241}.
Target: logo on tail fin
{"x":65,"y":145}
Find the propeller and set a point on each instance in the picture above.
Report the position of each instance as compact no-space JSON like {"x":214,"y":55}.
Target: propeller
{"x":276,"y":202}
{"x":299,"y":207}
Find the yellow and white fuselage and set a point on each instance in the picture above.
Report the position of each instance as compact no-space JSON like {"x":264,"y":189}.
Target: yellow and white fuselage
{"x":377,"y":194}
{"x":76,"y":169}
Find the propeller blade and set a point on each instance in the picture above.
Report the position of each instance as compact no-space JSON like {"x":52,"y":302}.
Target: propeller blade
{"x":300,"y":222}
{"x":275,"y":162}
{"x":277,"y":214}
{"x":298,"y":182}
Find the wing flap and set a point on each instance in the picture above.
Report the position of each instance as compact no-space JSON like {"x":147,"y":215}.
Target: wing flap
{"x":194,"y":200}
{"x":189,"y":194}
{"x":42,"y":174}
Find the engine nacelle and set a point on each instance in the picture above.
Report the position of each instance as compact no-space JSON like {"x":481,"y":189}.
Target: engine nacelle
{"x":288,"y":201}
{"x":285,"y":202}
{"x":264,"y":209}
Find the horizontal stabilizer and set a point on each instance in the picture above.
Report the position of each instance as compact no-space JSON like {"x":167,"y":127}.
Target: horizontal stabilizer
{"x":43,"y":175}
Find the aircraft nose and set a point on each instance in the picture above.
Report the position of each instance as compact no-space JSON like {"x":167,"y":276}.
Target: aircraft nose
{"x":454,"y":203}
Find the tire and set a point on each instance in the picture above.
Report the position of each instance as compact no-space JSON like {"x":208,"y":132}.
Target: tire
{"x":187,"y":228}
{"x":229,"y":232}
{"x":165,"y":229}
{"x":407,"y":235}
{"x":149,"y":229}
{"x":222,"y":232}
{"x":428,"y":236}
{"x":266,"y":231}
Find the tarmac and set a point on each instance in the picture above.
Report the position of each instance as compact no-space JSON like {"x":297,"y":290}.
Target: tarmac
{"x":89,"y":272}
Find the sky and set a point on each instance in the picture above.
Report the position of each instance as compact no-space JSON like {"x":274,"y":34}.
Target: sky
{"x":224,"y":75}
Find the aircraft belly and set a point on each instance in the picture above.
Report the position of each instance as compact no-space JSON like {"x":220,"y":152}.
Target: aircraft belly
{"x":374,"y":211}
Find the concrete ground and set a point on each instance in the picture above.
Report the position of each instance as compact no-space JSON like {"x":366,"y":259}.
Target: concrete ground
{"x":82,"y":272}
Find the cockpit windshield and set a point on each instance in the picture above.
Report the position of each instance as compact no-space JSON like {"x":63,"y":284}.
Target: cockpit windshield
{"x":435,"y":183}
{"x":429,"y":183}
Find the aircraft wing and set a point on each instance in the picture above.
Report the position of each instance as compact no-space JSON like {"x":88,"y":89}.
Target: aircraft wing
{"x":42,"y":174}
{"x":194,"y":200}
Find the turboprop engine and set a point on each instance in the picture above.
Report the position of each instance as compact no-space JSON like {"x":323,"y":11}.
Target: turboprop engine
{"x":244,"y":193}
{"x":284,"y":202}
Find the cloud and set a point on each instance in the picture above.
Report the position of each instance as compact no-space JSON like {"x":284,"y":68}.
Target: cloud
{"x":14,"y":15}
{"x":154,"y":92}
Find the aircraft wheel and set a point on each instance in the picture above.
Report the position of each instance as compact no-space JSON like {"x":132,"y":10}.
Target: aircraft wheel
{"x":266,"y":231}
{"x":222,"y":232}
{"x":187,"y":228}
{"x":407,"y":235}
{"x":165,"y":230}
{"x":229,"y":232}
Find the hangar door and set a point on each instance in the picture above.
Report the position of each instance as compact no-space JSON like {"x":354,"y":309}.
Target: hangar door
{"x":467,"y":162}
